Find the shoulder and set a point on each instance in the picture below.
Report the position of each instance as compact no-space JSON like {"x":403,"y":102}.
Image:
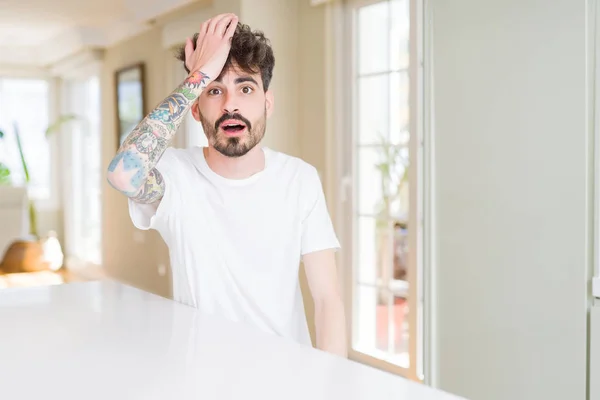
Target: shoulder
{"x":179,"y":153}
{"x":174,"y":156}
{"x":294,"y":168}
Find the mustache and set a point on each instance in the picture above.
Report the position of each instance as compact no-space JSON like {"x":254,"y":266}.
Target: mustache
{"x":234,"y":116}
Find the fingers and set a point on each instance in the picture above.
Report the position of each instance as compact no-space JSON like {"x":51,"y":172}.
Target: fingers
{"x":202,"y":32}
{"x":189,"y":48}
{"x":231,"y":28}
{"x":222,"y":26}
{"x":215,"y":22}
{"x":218,"y":25}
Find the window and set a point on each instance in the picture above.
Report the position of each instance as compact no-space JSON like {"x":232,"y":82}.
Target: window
{"x":83,"y":174}
{"x":594,"y":34}
{"x":24,"y":107}
{"x":384,"y":243}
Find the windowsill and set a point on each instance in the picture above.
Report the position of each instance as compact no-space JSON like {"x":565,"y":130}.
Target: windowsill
{"x":401,"y":360}
{"x":398,"y":287}
{"x":596,"y":287}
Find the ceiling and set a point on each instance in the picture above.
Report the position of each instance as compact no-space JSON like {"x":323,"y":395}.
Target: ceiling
{"x":38,"y":33}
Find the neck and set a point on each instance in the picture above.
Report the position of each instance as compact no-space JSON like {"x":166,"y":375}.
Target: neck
{"x":235,"y":168}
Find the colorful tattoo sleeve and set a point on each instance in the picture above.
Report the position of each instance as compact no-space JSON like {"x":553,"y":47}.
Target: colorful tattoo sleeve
{"x":132,"y":170}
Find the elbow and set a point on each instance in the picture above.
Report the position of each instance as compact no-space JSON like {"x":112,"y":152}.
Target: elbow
{"x":113,"y":180}
{"x":121,"y":183}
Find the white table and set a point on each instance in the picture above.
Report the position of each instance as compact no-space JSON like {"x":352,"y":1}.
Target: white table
{"x":105,"y":340}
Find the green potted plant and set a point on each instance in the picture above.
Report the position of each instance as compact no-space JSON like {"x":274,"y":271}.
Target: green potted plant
{"x":28,"y":255}
{"x":5,"y":178}
{"x":393,"y":181}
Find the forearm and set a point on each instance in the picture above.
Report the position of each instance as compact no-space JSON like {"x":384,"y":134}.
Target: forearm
{"x":132,"y":169}
{"x":330,"y":326}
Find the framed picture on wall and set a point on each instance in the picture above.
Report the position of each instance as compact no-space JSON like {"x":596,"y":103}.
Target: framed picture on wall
{"x":130,"y":99}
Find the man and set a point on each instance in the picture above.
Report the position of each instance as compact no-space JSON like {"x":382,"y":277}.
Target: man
{"x":237,"y":217}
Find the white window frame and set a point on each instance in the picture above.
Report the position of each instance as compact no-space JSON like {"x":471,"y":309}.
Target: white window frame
{"x":74,"y":197}
{"x":77,"y":68}
{"x":420,"y":333}
{"x":594,"y":100}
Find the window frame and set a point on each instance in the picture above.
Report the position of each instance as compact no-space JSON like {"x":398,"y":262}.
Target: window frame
{"x":73,"y":88}
{"x":594,"y":115}
{"x":67,"y":74}
{"x":418,"y":342}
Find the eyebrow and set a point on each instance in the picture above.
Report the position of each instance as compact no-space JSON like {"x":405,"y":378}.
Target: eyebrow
{"x":239,"y":80}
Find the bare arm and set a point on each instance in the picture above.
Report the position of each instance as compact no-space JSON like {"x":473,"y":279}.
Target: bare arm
{"x":132,"y":171}
{"x":330,"y":321}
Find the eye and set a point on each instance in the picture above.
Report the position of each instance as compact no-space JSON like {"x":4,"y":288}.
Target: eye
{"x":214,"y":91}
{"x":247,"y":89}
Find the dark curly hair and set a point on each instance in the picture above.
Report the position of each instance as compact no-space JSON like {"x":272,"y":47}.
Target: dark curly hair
{"x":250,"y":50}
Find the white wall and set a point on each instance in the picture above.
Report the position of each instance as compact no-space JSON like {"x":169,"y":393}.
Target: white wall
{"x":511,"y":193}
{"x":279,"y":22}
{"x":595,"y":353}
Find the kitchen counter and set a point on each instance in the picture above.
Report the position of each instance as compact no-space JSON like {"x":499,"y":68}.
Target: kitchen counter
{"x":106,"y":340}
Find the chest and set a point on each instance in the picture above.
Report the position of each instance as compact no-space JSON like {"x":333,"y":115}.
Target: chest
{"x":258,"y":216}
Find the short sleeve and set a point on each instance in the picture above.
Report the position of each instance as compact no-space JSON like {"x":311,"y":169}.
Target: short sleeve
{"x":148,"y":216}
{"x":317,"y":228}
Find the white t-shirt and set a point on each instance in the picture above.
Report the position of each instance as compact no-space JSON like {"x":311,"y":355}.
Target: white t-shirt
{"x":235,"y":246}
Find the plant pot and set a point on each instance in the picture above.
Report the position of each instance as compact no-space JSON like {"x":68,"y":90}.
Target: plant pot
{"x":24,"y":256}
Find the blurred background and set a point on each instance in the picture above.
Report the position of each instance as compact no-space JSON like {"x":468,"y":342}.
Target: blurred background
{"x":456,"y":143}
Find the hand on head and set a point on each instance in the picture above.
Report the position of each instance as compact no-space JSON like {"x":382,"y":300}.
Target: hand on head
{"x":209,"y":54}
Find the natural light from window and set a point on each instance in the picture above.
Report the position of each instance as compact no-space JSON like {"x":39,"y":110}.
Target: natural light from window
{"x":381,"y":160}
{"x":24,"y":109}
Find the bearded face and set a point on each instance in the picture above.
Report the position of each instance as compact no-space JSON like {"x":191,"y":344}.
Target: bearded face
{"x":233,"y":110}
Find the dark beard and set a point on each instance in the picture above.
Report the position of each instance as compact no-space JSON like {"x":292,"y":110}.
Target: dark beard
{"x":234,"y":146}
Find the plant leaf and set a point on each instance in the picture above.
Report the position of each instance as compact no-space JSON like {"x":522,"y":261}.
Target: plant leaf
{"x":25,"y":169}
{"x":4,"y":175}
{"x":59,"y":122}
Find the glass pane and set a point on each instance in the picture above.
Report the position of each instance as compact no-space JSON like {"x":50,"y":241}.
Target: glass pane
{"x":400,"y":245}
{"x":398,"y":342}
{"x":365,"y":318}
{"x":18,"y":98}
{"x":399,"y":108}
{"x":398,"y":190}
{"x":370,"y":180}
{"x":373,"y":109}
{"x":382,"y":188}
{"x":399,"y":34}
{"x":376,"y":251}
{"x":373,"y":38}
{"x":380,"y":327}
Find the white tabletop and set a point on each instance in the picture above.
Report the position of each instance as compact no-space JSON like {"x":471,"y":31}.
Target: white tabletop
{"x":105,"y":340}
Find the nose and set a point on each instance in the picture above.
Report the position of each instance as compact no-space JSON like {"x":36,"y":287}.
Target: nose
{"x":230,"y":105}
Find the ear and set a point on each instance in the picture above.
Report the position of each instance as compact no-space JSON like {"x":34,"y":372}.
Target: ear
{"x":196,"y":109}
{"x":269,"y":102}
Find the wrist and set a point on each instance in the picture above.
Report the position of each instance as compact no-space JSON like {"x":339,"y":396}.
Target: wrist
{"x":197,"y":79}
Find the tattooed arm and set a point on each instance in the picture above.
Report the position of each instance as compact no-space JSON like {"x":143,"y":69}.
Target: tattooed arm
{"x":132,"y":171}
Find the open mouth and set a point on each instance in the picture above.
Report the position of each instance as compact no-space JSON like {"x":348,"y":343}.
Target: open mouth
{"x":232,"y":128}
